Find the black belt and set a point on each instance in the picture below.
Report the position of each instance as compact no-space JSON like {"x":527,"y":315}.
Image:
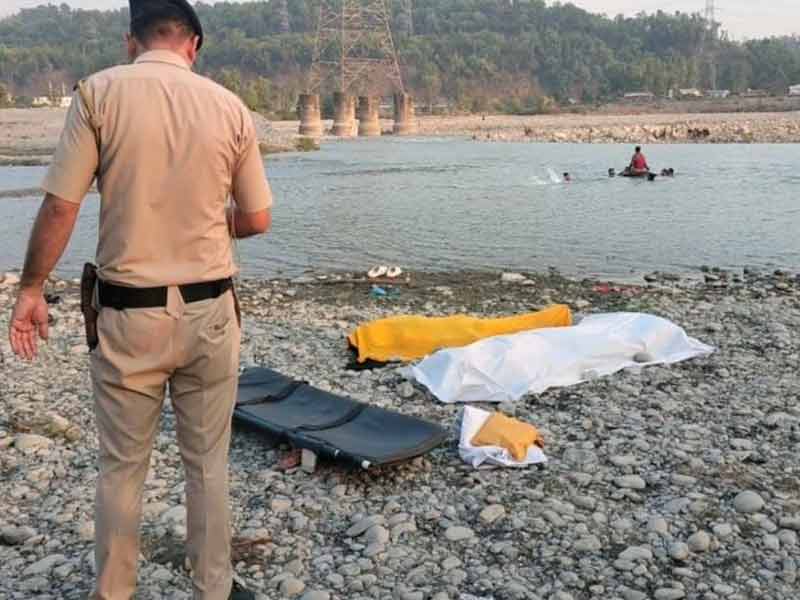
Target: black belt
{"x":120,"y":298}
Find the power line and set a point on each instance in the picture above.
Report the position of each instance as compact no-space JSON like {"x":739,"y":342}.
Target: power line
{"x":711,"y":44}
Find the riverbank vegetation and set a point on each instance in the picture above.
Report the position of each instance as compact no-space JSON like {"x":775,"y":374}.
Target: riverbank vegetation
{"x":478,"y":55}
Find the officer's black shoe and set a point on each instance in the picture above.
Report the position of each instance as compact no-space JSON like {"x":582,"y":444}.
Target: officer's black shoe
{"x":239,"y":592}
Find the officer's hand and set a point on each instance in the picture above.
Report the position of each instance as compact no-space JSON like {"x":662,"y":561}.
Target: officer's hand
{"x":28,"y":323}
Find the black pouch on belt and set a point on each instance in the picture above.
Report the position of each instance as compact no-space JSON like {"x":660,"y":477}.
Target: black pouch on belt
{"x":88,"y":283}
{"x":237,"y":306}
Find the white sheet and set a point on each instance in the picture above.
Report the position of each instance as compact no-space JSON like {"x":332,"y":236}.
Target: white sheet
{"x":505,"y":368}
{"x":471,"y":422}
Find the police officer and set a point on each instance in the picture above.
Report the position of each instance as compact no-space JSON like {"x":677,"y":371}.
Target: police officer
{"x":168,"y":148}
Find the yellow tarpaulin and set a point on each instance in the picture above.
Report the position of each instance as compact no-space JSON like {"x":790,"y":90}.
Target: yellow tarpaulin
{"x":409,"y":338}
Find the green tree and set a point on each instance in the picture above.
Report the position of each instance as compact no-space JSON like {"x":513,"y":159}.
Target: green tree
{"x":430,"y":85}
{"x":5,"y":96}
{"x":473,"y":53}
{"x":231,"y":79}
{"x":256,"y":94}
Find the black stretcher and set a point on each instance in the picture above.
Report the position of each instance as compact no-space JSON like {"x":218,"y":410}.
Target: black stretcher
{"x":330,"y":425}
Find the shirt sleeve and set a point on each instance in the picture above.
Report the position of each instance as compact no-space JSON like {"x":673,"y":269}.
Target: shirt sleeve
{"x":251,"y":190}
{"x":76,"y":159}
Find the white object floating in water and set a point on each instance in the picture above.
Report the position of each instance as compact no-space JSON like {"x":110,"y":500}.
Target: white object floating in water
{"x":376,"y":272}
{"x":505,"y":368}
{"x":553,"y":177}
{"x":394,"y":272}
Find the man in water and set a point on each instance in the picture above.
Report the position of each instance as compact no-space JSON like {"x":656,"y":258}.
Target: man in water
{"x":567,"y":178}
{"x":639,"y":162}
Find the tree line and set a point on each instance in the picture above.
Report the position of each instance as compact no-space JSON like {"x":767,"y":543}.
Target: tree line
{"x":512,"y":56}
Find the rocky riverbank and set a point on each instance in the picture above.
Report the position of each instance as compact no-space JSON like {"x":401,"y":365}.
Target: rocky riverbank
{"x":727,"y":128}
{"x":601,"y":128}
{"x":28,"y":136}
{"x":674,"y":482}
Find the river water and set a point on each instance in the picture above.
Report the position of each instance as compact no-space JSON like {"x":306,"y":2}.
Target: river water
{"x":447,"y":204}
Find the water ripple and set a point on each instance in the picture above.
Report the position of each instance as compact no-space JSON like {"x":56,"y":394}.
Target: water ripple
{"x":457,"y":204}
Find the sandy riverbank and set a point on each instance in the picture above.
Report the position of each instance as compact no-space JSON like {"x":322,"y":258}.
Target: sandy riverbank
{"x":642,"y":498}
{"x":28,"y":136}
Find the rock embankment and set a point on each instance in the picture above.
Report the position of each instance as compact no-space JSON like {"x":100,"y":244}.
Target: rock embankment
{"x":630,"y":129}
{"x":673,"y":482}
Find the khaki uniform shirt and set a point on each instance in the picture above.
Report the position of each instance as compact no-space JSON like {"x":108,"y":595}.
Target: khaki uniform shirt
{"x":168,"y":148}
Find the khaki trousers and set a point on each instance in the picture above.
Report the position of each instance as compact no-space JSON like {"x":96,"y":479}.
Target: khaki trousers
{"x":195,"y":348}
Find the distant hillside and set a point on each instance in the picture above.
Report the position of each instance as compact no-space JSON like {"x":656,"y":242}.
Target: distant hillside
{"x":477,"y":54}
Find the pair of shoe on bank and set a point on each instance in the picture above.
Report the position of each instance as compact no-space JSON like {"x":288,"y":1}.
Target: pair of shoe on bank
{"x":384,"y":271}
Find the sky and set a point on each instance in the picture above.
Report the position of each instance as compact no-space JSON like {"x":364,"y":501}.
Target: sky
{"x":741,"y":18}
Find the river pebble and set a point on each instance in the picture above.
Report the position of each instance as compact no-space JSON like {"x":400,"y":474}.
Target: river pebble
{"x":748,"y":502}
{"x":663,"y":482}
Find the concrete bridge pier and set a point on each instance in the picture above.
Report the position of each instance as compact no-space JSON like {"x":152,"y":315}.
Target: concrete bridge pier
{"x":369,"y":123}
{"x":404,"y":121}
{"x":310,"y":116}
{"x":344,"y":115}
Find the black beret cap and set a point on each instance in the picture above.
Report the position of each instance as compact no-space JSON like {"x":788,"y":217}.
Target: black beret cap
{"x":148,"y":10}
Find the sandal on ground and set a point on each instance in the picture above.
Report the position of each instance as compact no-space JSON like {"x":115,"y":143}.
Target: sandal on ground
{"x":376,"y":272}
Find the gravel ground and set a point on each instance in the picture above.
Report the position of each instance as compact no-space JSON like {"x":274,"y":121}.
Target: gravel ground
{"x":673,"y":482}
{"x":655,"y":128}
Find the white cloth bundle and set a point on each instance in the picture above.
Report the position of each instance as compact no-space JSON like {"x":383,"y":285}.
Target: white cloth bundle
{"x":471,"y":422}
{"x":505,"y":368}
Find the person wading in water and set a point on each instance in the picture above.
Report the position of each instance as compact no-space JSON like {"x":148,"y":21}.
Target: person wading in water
{"x":639,"y":162}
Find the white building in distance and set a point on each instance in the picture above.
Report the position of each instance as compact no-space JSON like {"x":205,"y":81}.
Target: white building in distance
{"x":56,"y":101}
{"x":639,"y":96}
{"x":690,"y":93}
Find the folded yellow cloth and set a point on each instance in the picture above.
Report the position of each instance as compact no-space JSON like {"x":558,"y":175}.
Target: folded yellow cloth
{"x":513,"y":435}
{"x":412,"y":337}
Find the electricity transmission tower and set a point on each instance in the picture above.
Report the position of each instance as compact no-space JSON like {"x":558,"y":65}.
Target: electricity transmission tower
{"x":283,"y":15}
{"x":406,"y":20}
{"x":711,"y":42}
{"x":711,"y":12}
{"x":354,"y":48}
